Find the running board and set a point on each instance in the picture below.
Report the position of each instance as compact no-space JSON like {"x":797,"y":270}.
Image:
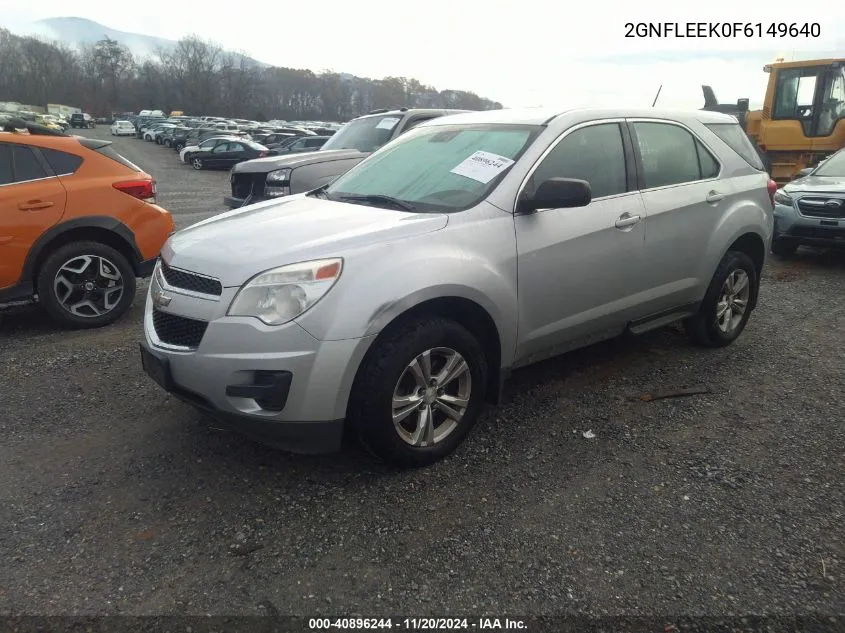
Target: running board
{"x":661,"y":319}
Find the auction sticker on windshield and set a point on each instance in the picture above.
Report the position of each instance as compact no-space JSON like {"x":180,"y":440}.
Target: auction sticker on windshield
{"x":387,"y":123}
{"x":482,"y":166}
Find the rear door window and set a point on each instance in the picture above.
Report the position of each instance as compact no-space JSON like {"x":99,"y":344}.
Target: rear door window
{"x":26,"y":165}
{"x":670,"y":154}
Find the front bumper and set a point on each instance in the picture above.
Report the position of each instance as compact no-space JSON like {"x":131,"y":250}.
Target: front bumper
{"x":234,"y":202}
{"x":816,"y":231}
{"x":279,"y":385}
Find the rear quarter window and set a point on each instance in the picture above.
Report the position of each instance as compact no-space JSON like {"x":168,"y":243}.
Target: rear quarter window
{"x":734,"y":137}
{"x":62,"y":163}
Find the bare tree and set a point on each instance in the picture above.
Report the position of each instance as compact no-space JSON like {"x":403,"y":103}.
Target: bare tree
{"x":198,"y":77}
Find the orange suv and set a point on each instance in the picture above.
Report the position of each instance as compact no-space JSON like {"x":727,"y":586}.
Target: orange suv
{"x":78,"y":224}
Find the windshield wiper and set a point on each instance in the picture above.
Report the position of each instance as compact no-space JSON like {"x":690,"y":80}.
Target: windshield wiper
{"x":377,"y":198}
{"x":320,"y":192}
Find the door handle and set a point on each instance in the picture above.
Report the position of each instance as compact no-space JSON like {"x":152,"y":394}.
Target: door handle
{"x":714,"y":196}
{"x":34,"y":205}
{"x":626,"y":220}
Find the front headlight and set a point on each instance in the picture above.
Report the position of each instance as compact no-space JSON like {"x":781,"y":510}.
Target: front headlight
{"x":278,"y":183}
{"x":279,"y":175}
{"x":279,"y":295}
{"x":781,"y":197}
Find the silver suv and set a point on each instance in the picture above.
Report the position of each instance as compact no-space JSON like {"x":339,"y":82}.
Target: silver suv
{"x":398,"y":298}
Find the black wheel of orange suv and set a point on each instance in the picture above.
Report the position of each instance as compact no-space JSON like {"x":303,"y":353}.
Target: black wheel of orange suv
{"x":86,"y":285}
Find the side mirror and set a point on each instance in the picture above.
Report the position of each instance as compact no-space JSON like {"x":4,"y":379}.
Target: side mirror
{"x":805,"y":172}
{"x":742,"y":105}
{"x":557,"y":193}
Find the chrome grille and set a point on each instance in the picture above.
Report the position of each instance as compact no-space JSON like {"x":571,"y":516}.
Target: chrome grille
{"x":822,"y":207}
{"x":190,"y":281}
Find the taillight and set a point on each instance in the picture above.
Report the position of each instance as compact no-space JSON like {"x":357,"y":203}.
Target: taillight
{"x":773,"y":187}
{"x":262,"y":154}
{"x":141,"y":189}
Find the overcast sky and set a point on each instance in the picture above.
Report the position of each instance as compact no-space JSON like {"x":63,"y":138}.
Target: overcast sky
{"x":522,"y":53}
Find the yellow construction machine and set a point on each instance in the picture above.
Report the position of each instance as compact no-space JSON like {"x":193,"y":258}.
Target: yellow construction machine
{"x":803,"y":116}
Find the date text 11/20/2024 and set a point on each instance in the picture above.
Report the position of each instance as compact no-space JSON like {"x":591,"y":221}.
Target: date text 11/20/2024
{"x":722,"y":29}
{"x":416,"y":624}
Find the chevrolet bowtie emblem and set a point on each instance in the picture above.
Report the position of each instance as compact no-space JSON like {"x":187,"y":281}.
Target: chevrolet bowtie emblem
{"x":160,"y":300}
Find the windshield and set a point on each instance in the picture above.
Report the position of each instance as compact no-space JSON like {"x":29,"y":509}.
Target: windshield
{"x":365,"y":135}
{"x":832,"y":167}
{"x":438,"y":168}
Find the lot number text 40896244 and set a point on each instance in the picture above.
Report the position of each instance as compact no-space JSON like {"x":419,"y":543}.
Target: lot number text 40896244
{"x":722,"y":29}
{"x":416,"y":624}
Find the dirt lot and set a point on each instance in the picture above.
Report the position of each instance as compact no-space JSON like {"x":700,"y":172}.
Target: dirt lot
{"x":114,"y":500}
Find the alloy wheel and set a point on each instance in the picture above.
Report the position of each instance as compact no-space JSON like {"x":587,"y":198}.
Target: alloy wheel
{"x":733,"y":301}
{"x":431,"y":396}
{"x":88,"y":286}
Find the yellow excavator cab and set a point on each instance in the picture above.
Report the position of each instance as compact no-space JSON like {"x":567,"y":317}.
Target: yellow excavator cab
{"x":803,"y":116}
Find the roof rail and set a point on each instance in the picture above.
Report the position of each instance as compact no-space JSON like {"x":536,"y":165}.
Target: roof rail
{"x":378,"y":111}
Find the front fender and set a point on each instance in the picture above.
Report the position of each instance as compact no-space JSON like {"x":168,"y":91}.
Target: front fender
{"x":469,"y":260}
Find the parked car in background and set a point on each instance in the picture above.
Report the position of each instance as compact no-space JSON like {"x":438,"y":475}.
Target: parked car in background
{"x":811,"y":209}
{"x":283,"y":143}
{"x":272,"y":138}
{"x":81,"y":120}
{"x":524,"y":234}
{"x":76,"y":258}
{"x":159,"y":132}
{"x":224,"y":152}
{"x":122,"y":128}
{"x":152,"y":130}
{"x":48,"y":122}
{"x":167,"y":136}
{"x":253,"y":181}
{"x":198,"y":136}
{"x":142,"y":124}
{"x":303,"y":144}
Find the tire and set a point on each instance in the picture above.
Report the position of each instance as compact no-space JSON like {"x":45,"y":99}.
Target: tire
{"x":784,"y":247}
{"x":385,"y":373}
{"x":703,"y":328}
{"x":50,"y":292}
{"x":197,"y":163}
{"x":179,"y":147}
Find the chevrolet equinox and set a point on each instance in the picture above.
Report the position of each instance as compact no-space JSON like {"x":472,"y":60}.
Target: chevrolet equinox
{"x":395,"y":300}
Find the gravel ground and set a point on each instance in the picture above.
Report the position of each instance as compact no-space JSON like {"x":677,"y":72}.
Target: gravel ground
{"x":113,"y":500}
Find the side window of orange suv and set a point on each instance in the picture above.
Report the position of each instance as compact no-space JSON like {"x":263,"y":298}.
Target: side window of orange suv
{"x":5,"y":164}
{"x":27,"y":166}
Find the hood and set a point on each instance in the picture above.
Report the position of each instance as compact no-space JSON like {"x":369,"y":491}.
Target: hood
{"x":239,"y":244}
{"x":816,"y":184}
{"x":271,"y":163}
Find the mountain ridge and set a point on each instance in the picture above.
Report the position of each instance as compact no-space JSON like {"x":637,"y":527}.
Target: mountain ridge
{"x":77,"y":32}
